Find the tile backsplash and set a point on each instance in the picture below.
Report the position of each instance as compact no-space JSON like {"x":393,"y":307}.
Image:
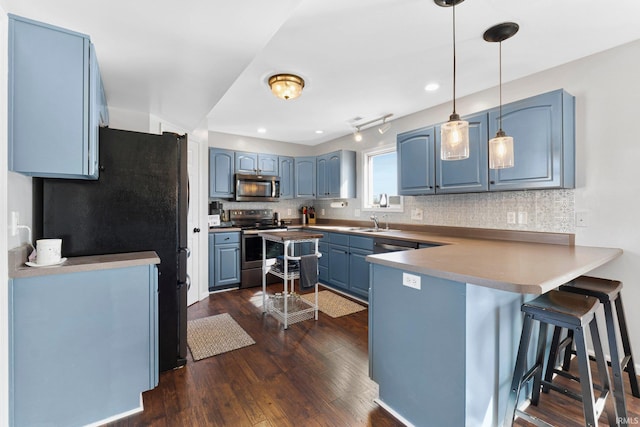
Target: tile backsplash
{"x":545,"y":210}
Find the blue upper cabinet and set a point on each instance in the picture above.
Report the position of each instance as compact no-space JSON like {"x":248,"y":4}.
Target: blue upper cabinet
{"x":336,"y":175}
{"x":305,"y":177}
{"x":56,"y":101}
{"x":416,"y":171}
{"x":221,"y":163}
{"x":254,"y":163}
{"x":543,"y":129}
{"x":287,"y":177}
{"x":469,"y":175}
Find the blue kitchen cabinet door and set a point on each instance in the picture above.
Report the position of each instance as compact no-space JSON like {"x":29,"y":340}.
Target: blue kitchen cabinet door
{"x":543,"y":129}
{"x":470,"y":175}
{"x":416,"y":165}
{"x":287,"y":177}
{"x":323,"y":262}
{"x":227,"y":264}
{"x":322,"y":173}
{"x":224,"y":259}
{"x":359,"y":272}
{"x":305,"y":181}
{"x":336,"y":175}
{"x":256,"y":163}
{"x":212,"y":263}
{"x":339,"y":266}
{"x":84,"y":345}
{"x":54,"y":91}
{"x":221,"y":170}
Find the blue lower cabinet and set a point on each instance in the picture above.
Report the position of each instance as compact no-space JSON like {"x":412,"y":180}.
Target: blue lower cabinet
{"x":344,"y":265}
{"x":339,"y":266}
{"x":83,"y":346}
{"x":359,"y":272}
{"x":224,"y":260}
{"x":323,"y":262}
{"x":227,"y":265}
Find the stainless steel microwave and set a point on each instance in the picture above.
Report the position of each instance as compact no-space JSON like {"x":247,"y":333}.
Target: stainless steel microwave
{"x":257,"y":188}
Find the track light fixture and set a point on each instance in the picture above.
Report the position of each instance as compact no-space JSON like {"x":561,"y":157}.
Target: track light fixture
{"x":357,"y":136}
{"x":385,"y":126}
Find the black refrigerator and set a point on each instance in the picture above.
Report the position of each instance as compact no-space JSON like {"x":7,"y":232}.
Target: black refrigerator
{"x":139,"y":203}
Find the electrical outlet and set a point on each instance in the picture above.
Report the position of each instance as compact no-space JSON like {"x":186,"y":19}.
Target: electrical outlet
{"x":322,"y":211}
{"x":417,"y":214}
{"x":356,"y":212}
{"x":522,"y":218}
{"x":15,"y":220}
{"x":411,"y":280}
{"x":511,"y":217}
{"x":288,"y":212}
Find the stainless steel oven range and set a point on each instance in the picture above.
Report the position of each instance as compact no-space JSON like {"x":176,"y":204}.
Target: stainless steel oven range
{"x":252,"y":221}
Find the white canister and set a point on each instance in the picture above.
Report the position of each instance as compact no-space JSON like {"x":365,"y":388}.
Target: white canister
{"x":48,"y":251}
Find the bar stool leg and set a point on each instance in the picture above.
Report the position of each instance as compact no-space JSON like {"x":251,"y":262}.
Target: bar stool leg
{"x":553,"y":357}
{"x":630,"y":364}
{"x":612,"y":412}
{"x":586,"y":380}
{"x":537,"y":377}
{"x":566,"y":364}
{"x":518,"y":373}
{"x":618,"y":386}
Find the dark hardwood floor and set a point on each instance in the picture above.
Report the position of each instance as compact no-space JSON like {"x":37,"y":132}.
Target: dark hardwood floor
{"x":313,"y":374}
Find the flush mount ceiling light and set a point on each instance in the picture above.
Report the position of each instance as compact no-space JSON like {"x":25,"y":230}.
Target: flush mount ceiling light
{"x":385,"y":126}
{"x":286,"y":86}
{"x":501,"y":146}
{"x":454,"y":134}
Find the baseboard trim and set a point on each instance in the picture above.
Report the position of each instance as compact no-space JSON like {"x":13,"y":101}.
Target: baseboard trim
{"x":395,"y":415}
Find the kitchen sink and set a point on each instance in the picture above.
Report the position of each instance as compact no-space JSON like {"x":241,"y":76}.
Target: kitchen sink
{"x":372,"y":230}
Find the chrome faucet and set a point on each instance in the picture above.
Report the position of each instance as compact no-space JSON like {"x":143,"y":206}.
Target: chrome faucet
{"x":374,"y":218}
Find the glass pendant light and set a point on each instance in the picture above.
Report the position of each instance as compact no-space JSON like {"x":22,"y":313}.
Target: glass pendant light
{"x":501,"y":146}
{"x":454,"y":134}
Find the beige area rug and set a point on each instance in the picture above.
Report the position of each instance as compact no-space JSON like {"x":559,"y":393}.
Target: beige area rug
{"x":214,"y":335}
{"x":332,"y":304}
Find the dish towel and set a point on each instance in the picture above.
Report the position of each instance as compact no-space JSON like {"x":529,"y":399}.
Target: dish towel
{"x":308,"y":271}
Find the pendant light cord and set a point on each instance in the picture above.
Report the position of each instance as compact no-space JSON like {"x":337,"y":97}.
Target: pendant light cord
{"x":500,"y":74}
{"x":454,"y":56}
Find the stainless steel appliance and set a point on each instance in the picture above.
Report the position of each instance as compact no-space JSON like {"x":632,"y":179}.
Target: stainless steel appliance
{"x":252,"y":221}
{"x":256,"y":188}
{"x":382,"y":245}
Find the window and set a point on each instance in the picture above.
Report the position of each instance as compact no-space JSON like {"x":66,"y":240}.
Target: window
{"x":381,"y":177}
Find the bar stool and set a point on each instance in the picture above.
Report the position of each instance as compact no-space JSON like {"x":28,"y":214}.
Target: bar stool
{"x":574,"y":312}
{"x":608,"y":292}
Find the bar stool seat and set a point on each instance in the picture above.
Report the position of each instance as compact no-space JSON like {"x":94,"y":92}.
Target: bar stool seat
{"x":608,"y":293}
{"x":574,"y":312}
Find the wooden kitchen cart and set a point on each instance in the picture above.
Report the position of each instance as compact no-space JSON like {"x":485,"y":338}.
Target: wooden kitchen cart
{"x":288,"y":307}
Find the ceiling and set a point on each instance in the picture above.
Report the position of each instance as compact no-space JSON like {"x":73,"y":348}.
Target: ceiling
{"x":204,"y":63}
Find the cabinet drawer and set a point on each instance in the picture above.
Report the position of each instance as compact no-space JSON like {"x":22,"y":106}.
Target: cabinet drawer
{"x":360,"y":242}
{"x":339,"y":239}
{"x":230,"y":237}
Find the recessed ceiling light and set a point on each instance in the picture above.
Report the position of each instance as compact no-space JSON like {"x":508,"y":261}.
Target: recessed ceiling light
{"x":432,"y":87}
{"x":262,"y":130}
{"x":319,"y":131}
